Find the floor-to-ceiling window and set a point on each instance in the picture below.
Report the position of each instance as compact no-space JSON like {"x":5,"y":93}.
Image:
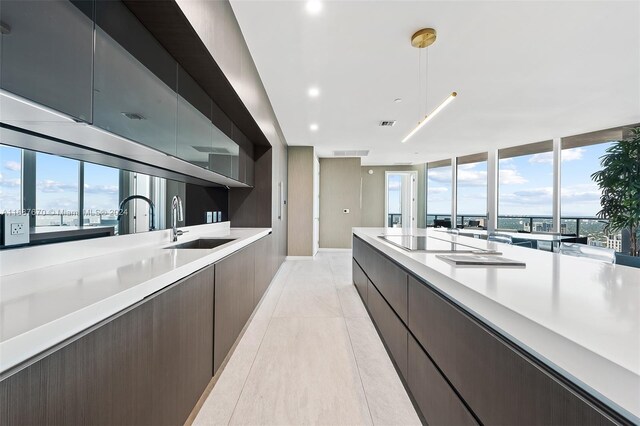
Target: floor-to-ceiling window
{"x":525,"y":187}
{"x":580,"y":195}
{"x":439,"y":184}
{"x":57,"y":192}
{"x":101,"y":191}
{"x":10,"y":179}
{"x":472,"y":190}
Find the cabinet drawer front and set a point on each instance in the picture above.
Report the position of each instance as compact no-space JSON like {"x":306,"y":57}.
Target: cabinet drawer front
{"x":390,"y":327}
{"x":360,"y":280}
{"x":499,"y":384}
{"x":389,"y":279}
{"x":437,"y":401}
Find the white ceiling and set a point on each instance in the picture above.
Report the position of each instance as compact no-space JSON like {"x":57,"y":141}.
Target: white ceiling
{"x":525,"y":71}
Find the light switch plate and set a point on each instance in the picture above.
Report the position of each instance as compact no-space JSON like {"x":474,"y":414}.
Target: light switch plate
{"x":209,"y":217}
{"x":15,"y":229}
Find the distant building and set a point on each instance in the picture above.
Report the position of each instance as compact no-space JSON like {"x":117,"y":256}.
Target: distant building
{"x":615,"y":242}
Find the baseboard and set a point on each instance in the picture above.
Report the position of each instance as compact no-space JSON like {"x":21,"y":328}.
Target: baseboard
{"x":335,"y":249}
{"x":299,"y":258}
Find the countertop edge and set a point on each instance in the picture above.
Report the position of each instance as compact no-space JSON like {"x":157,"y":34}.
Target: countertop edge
{"x":20,"y":349}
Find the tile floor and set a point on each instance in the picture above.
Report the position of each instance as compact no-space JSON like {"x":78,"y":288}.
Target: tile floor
{"x":310,"y":355}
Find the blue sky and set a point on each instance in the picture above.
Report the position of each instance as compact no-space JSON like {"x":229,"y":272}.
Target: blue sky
{"x":57,"y":183}
{"x":525,"y":187}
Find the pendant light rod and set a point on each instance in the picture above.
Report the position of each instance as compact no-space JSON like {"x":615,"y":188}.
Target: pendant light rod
{"x":428,"y":117}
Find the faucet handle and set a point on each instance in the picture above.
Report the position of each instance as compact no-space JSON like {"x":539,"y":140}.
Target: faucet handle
{"x":180,"y":232}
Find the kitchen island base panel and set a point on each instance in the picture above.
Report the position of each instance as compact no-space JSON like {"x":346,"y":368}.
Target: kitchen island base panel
{"x":459,"y":371}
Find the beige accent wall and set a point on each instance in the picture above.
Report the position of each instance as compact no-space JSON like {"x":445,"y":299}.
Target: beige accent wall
{"x":339,"y":189}
{"x":300,"y":201}
{"x":373,"y":187}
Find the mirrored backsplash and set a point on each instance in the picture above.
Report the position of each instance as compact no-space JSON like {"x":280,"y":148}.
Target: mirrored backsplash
{"x":67,"y":199}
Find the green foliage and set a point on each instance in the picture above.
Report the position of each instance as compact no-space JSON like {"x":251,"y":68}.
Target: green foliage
{"x":619,"y":181}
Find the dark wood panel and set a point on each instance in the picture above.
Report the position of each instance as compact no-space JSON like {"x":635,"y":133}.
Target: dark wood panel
{"x":391,"y":329}
{"x":234,"y":300}
{"x":498,"y":383}
{"x":182,"y":346}
{"x":103,"y":378}
{"x":438,"y":402}
{"x":388,"y":278}
{"x":359,"y":280}
{"x":263,"y":268}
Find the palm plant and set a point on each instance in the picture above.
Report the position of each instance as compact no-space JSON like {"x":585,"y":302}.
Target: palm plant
{"x":619,"y":181}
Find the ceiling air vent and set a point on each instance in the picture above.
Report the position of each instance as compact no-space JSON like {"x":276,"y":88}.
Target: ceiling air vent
{"x":350,"y":153}
{"x":387,"y":123}
{"x":133,"y":116}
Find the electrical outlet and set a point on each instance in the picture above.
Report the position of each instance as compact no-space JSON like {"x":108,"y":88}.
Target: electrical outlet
{"x":17,"y":229}
{"x":345,"y":211}
{"x":209,"y":217}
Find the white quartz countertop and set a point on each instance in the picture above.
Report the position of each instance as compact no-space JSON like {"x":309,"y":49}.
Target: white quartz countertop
{"x":50,"y":293}
{"x":579,"y":316}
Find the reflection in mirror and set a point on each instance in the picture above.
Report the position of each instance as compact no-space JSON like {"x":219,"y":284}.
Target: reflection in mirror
{"x":62,"y":194}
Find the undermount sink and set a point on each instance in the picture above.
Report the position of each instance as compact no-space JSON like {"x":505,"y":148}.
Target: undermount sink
{"x":202,"y":243}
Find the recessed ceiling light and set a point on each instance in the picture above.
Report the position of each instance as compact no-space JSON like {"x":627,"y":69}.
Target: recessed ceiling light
{"x":313,"y":127}
{"x":397,"y":100}
{"x":313,"y":92}
{"x":314,"y":6}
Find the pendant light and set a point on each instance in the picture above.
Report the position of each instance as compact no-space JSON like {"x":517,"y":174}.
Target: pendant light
{"x":421,"y":40}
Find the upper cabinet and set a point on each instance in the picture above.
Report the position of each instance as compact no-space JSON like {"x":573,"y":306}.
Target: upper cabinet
{"x":47,"y":53}
{"x":135,"y":80}
{"x":95,"y":61}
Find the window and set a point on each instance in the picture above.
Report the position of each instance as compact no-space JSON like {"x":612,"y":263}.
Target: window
{"x":472,"y":189}
{"x":10,"y":179}
{"x":101,"y":193}
{"x":438,"y":191}
{"x":57,"y":195}
{"x":525,"y":187}
{"x":580,"y":196}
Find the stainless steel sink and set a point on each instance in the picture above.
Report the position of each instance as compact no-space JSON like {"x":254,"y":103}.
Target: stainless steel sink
{"x":202,"y":243}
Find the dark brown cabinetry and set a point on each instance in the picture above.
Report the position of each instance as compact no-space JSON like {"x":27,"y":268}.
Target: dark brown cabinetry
{"x":148,"y":365}
{"x":458,"y":370}
{"x":182,"y":347}
{"x":263,"y":267}
{"x":360,"y":281}
{"x":390,"y":280}
{"x":234,"y":300}
{"x":390,"y":327}
{"x":436,"y":399}
{"x":476,"y":360}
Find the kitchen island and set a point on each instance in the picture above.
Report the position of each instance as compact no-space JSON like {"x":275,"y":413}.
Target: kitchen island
{"x":556,"y":341}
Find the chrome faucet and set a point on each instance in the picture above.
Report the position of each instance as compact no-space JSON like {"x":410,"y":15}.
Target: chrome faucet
{"x":137,"y":197}
{"x":176,"y":215}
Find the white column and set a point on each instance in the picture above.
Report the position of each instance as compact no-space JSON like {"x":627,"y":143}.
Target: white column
{"x":492,"y":190}
{"x":454,"y":192}
{"x":557,"y":167}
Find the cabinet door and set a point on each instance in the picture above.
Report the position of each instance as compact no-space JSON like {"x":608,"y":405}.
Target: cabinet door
{"x":263,"y":268}
{"x":498,"y":383}
{"x":182,"y":346}
{"x":135,"y":80}
{"x":194,"y":127}
{"x":359,"y":280}
{"x":437,"y":401}
{"x":392,"y":330}
{"x":234,"y":300}
{"x":103,"y":378}
{"x":47,"y":53}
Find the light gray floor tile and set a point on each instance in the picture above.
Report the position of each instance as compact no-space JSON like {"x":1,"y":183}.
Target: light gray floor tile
{"x":386,"y":395}
{"x":305,"y":373}
{"x":308,"y":300}
{"x":351,"y":303}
